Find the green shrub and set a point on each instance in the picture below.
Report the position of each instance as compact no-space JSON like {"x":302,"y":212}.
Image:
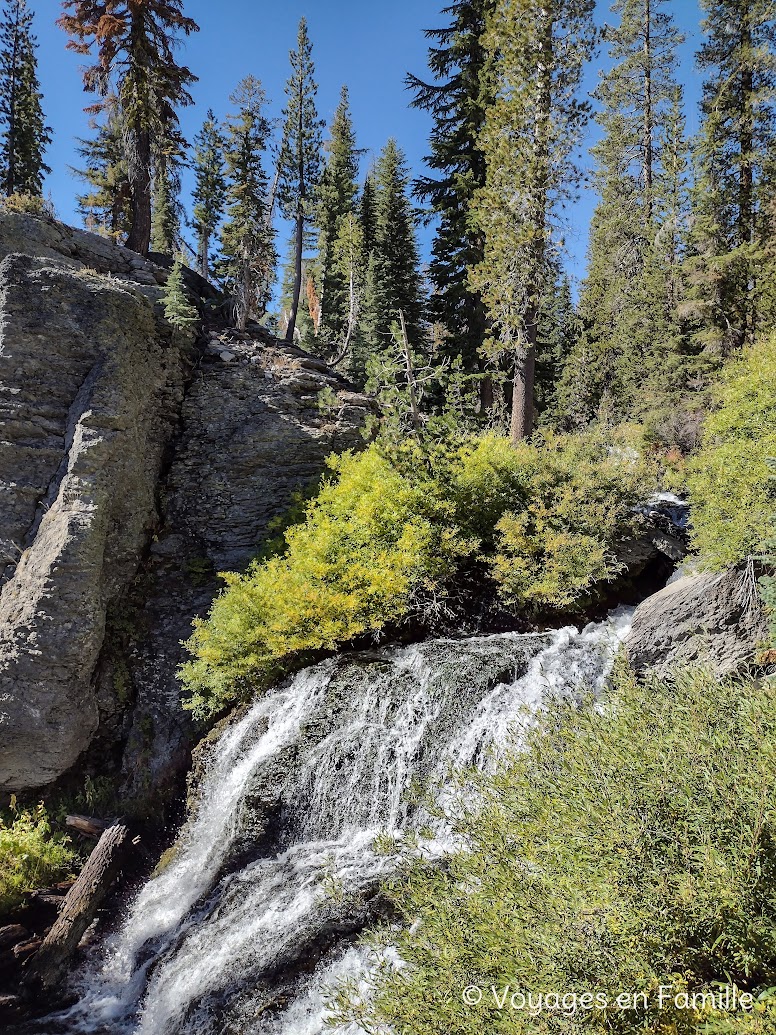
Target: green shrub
{"x":558,"y":508}
{"x":372,"y":544}
{"x":733,"y":498}
{"x":626,"y":848}
{"x":30,"y":855}
{"x":387,"y":538}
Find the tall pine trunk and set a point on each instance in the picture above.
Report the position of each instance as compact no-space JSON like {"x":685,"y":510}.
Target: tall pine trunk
{"x":522,"y":418}
{"x":648,"y":112}
{"x":139,"y":239}
{"x":297,"y":276}
{"x":521,"y":424}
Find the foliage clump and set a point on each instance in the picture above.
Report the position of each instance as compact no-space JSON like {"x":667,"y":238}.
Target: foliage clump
{"x":733,"y":496}
{"x":624,"y":849}
{"x":30,"y":855}
{"x":398,"y":537}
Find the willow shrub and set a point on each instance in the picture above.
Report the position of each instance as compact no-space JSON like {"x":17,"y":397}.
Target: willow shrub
{"x":553,"y":510}
{"x":30,"y":855}
{"x":372,"y":541}
{"x":732,"y":493}
{"x":387,"y":536}
{"x":624,"y":849}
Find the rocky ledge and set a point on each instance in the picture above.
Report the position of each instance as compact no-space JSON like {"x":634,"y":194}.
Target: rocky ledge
{"x":135,"y":463}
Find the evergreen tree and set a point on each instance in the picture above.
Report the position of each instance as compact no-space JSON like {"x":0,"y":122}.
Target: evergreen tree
{"x":629,"y":301}
{"x":106,"y":207}
{"x":25,"y":135}
{"x":178,"y":310}
{"x":167,"y":211}
{"x":557,"y":334}
{"x":735,"y":147}
{"x":367,"y":218}
{"x":394,"y":283}
{"x":210,"y":188}
{"x":457,"y":98}
{"x":531,"y":131}
{"x":246,"y":236}
{"x":336,"y":206}
{"x":136,"y":46}
{"x":301,"y":156}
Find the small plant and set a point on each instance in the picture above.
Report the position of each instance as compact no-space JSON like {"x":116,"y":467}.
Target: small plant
{"x":31,"y":856}
{"x":178,"y":310}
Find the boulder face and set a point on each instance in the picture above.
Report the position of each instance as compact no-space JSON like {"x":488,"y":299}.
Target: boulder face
{"x":89,"y":395}
{"x":711,"y":618}
{"x":252,"y":436}
{"x":134,"y":465}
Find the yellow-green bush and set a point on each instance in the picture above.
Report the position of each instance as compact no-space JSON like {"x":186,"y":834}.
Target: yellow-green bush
{"x":626,"y":848}
{"x":387,"y":537}
{"x":554,"y":510}
{"x":30,"y":855}
{"x":733,"y":496}
{"x":372,"y":543}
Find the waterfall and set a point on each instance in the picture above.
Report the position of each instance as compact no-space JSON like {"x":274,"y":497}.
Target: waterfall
{"x":276,"y":872}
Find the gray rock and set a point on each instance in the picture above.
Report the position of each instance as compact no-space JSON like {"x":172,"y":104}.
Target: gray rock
{"x":248,"y":444}
{"x":128,"y":480}
{"x":89,"y":396}
{"x":710,"y":618}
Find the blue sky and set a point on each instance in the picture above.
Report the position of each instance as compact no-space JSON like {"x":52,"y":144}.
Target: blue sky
{"x":369,"y":47}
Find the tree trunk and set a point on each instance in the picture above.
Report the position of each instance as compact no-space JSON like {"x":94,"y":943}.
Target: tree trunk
{"x":648,"y":114}
{"x":139,"y":239}
{"x":87,"y":825}
{"x":203,"y":259}
{"x":410,"y":373}
{"x":297,"y":275}
{"x":48,"y":967}
{"x":521,"y":424}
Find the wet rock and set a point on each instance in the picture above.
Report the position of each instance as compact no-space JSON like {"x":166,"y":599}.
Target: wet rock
{"x":711,"y":618}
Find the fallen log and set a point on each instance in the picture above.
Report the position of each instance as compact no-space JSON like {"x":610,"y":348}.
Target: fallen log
{"x":87,"y":825}
{"x":48,"y":966}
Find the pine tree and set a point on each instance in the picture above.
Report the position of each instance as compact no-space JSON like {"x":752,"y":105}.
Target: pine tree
{"x":530,"y":134}
{"x":735,"y":147}
{"x":178,"y":310}
{"x":301,"y":157}
{"x":336,"y":205}
{"x":136,"y":46}
{"x":457,"y":99}
{"x":25,"y":135}
{"x":107,"y":205}
{"x":246,"y":236}
{"x":394,"y":282}
{"x":629,"y":297}
{"x":367,"y":218}
{"x":210,"y":188}
{"x":167,"y":210}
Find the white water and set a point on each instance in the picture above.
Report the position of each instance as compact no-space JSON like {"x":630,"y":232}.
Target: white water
{"x":225,"y":939}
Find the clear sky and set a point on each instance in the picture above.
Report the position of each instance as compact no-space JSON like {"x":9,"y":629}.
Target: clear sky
{"x":367,"y":46}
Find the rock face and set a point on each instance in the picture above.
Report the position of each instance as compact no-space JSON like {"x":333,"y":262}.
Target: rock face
{"x":133,"y":467}
{"x":252,"y":436}
{"x":89,"y":395}
{"x":712,"y":618}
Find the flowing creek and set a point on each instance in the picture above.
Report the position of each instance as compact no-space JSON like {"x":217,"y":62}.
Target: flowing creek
{"x":242,"y":932}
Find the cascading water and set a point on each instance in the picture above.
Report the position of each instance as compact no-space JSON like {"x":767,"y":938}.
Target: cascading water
{"x":276,"y":872}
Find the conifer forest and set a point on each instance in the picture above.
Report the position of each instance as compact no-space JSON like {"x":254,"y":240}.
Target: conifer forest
{"x":388,"y":545}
